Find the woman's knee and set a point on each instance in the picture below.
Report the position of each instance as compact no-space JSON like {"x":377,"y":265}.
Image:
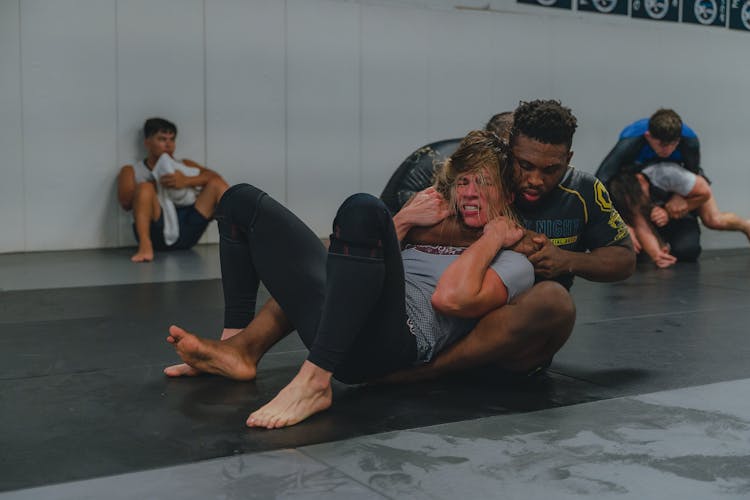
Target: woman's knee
{"x":238,"y":207}
{"x":361,"y":219}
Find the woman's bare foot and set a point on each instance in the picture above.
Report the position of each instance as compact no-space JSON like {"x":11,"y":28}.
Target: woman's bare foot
{"x":209,"y":356}
{"x":145,"y":253}
{"x":307,"y":394}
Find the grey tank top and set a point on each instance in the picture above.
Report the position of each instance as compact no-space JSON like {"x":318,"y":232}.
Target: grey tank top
{"x":423,"y":266}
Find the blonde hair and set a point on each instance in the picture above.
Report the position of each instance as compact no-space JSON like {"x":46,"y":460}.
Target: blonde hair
{"x":483,"y":153}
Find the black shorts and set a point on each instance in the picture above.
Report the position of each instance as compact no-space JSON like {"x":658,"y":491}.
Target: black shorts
{"x":192,"y":227}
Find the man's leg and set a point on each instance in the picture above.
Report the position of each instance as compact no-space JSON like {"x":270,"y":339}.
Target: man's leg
{"x":260,"y":240}
{"x":519,"y":336}
{"x":209,"y":197}
{"x":146,"y":209}
{"x":713,"y":218}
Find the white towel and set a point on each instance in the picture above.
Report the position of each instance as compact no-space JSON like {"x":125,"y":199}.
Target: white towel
{"x":170,"y":198}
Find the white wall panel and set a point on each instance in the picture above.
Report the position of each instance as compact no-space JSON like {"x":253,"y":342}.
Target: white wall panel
{"x":395,"y":58}
{"x":68,"y":50}
{"x":323,"y":158}
{"x":160,"y":72}
{"x":461,"y":72}
{"x":597,"y":90}
{"x":12,"y":187}
{"x":245,"y":102}
{"x":713,"y":101}
{"x":521,"y":59}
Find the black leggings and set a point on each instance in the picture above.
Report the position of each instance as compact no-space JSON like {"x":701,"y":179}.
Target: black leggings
{"x":347,"y":304}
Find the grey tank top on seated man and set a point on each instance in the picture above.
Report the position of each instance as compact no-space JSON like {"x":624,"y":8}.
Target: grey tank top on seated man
{"x":423,"y":266}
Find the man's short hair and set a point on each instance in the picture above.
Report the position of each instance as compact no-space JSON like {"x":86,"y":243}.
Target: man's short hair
{"x":665,"y":125}
{"x":500,"y":124}
{"x":153,"y":126}
{"x":546,"y":121}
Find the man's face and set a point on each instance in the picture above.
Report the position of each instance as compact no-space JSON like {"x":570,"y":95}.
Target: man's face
{"x":538,"y":168}
{"x":476,"y":193}
{"x":160,"y":143}
{"x":661,"y":148}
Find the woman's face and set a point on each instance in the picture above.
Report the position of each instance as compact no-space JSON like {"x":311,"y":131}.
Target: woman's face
{"x":477,"y":196}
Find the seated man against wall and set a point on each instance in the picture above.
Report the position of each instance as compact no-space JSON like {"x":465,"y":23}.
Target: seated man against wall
{"x":172,"y":201}
{"x":417,"y":171}
{"x":662,"y":138}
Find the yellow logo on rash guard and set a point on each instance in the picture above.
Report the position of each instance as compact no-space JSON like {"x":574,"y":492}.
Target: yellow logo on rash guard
{"x":602,"y":197}
{"x":616,"y":222}
{"x":605,"y":203}
{"x":558,"y":242}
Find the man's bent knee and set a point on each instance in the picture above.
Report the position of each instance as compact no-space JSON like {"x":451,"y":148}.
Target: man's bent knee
{"x":552,"y":298}
{"x":145,"y":190}
{"x":217,"y":183}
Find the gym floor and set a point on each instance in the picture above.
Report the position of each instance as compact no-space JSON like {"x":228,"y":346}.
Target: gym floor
{"x":649,"y":398}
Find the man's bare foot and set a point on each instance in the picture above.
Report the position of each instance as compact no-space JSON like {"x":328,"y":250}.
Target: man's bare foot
{"x":307,"y":394}
{"x":181,"y":370}
{"x":185,"y":370}
{"x":209,"y":356}
{"x":145,"y":253}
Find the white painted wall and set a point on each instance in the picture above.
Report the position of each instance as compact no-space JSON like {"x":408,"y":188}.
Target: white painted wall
{"x":315,"y":99}
{"x":12,"y":179}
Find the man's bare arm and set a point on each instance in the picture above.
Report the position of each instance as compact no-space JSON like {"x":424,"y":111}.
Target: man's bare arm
{"x":426,"y":208}
{"x":678,"y":206}
{"x":447,"y":232}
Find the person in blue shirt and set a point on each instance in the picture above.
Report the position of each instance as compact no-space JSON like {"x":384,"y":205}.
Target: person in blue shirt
{"x":662,"y":137}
